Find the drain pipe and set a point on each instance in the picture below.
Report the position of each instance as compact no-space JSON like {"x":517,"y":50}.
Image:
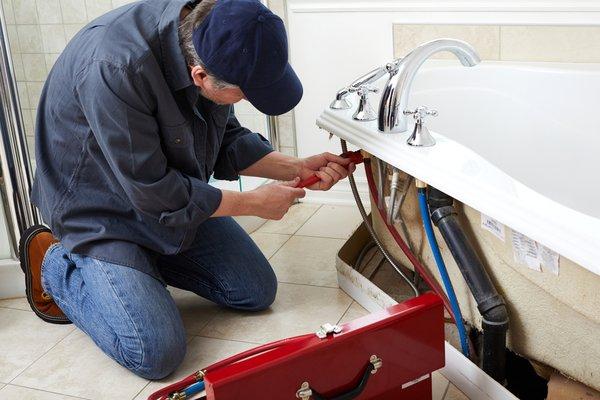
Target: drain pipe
{"x":490,"y":304}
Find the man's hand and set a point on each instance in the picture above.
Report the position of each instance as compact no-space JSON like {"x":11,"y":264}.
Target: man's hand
{"x":329,"y":167}
{"x":270,"y":201}
{"x":273,"y":201}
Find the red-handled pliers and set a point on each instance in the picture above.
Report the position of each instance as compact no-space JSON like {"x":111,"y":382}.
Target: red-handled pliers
{"x":354,"y":156}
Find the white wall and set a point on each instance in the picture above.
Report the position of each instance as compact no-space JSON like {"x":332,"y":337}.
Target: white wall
{"x":334,"y":41}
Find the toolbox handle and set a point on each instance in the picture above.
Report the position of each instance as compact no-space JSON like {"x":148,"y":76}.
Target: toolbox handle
{"x":305,"y":392}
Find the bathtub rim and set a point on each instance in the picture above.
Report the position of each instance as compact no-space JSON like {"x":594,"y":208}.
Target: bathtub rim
{"x":564,"y":230}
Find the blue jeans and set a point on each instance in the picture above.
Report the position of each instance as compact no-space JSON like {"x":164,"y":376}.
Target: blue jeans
{"x":132,"y":317}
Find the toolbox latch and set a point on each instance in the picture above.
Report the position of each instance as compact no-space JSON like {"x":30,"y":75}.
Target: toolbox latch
{"x":327,"y":329}
{"x":304,"y":392}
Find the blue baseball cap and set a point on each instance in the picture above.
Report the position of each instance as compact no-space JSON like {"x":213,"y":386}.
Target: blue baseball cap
{"x":244,"y":43}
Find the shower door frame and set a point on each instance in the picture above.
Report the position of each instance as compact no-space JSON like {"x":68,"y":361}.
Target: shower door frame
{"x":16,"y":172}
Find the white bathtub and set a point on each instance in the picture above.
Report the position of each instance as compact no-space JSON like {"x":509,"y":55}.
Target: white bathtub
{"x":518,"y":142}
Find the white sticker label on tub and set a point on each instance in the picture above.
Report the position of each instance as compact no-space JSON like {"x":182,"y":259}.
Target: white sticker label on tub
{"x":549,"y":259}
{"x":534,"y":255}
{"x":493,"y":226}
{"x":526,"y":251}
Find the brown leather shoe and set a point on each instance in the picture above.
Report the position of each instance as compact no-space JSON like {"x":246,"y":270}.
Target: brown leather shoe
{"x":33,"y":245}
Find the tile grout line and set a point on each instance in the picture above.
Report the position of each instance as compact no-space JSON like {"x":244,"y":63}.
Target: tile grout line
{"x":345,"y":312}
{"x":142,"y":389}
{"x":292,"y":234}
{"x":48,"y":391}
{"x":446,"y":390}
{"x":317,"y":286}
{"x":279,"y":248}
{"x":307,"y":219}
{"x":323,"y":237}
{"x":309,"y":284}
{"x":46,"y":352}
{"x":14,"y":308}
{"x":304,"y":236}
{"x":227,"y":340}
{"x":210,"y":320}
{"x":296,"y":230}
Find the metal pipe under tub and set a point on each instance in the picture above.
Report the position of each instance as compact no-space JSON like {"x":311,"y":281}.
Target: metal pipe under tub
{"x":365,"y":218}
{"x":489,"y":302}
{"x":429,"y":279}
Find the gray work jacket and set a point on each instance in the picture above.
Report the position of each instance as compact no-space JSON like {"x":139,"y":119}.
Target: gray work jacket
{"x":125,"y":145}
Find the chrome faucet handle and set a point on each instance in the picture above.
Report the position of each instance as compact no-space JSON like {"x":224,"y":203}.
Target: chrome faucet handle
{"x":364,"y":90}
{"x":421,"y":137}
{"x":365,"y":112}
{"x":420,"y":113}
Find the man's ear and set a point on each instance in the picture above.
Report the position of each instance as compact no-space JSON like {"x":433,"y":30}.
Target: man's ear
{"x":199,"y":76}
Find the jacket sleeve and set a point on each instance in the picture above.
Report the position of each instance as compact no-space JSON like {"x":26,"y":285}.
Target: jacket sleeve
{"x":240,"y":149}
{"x":119,"y":111}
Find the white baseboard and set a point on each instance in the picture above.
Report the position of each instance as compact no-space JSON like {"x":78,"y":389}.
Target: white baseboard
{"x":12,"y":281}
{"x":470,"y":379}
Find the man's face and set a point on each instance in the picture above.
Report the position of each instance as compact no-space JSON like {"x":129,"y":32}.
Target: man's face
{"x":208,"y":88}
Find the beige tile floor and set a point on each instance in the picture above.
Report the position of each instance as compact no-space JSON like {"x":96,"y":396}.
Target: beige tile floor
{"x":59,"y":362}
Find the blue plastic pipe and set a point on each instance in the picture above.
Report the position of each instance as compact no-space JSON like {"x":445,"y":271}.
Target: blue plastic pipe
{"x":194,"y":389}
{"x":443,"y":271}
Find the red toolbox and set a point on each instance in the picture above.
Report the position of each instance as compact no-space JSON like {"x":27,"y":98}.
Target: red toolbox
{"x":386,"y":355}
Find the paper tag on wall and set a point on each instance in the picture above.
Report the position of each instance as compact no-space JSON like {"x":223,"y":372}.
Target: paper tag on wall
{"x":493,"y":226}
{"x":526,"y":251}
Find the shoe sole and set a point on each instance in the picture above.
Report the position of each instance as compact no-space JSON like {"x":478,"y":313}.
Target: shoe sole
{"x":26,"y":237}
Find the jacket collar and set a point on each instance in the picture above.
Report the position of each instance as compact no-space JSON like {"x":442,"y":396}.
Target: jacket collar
{"x":176,"y":70}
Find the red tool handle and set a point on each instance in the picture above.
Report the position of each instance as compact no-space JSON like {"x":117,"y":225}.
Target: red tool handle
{"x":354,"y":156}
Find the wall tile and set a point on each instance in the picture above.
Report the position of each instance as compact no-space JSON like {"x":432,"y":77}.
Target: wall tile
{"x":486,"y":39}
{"x":96,"y":8}
{"x":34,"y":66}
{"x":290,"y":151}
{"x":53,"y":38}
{"x":49,"y":11}
{"x":25,"y":12}
{"x":551,"y":43}
{"x":13,"y":39}
{"x":259,"y":125}
{"x":286,"y":130}
{"x":278,"y":8}
{"x":27,"y":122}
{"x":119,"y":3}
{"x":31,"y":148}
{"x":73,"y":11}
{"x":71,"y":30}
{"x":33,"y":113}
{"x":34,"y":89}
{"x":23,"y":94}
{"x":244,"y":107}
{"x":30,"y":38}
{"x":50,"y":60}
{"x":18,"y":67}
{"x":9,"y":13}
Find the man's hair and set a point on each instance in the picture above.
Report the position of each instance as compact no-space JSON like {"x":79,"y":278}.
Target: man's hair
{"x":186,"y":30}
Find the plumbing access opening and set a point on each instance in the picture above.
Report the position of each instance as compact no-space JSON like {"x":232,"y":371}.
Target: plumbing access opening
{"x":487,"y":345}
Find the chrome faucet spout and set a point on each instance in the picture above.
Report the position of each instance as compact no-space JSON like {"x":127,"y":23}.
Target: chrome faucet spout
{"x":394,"y":99}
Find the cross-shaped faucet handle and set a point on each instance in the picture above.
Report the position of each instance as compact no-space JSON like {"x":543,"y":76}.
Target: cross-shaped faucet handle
{"x":420,"y":113}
